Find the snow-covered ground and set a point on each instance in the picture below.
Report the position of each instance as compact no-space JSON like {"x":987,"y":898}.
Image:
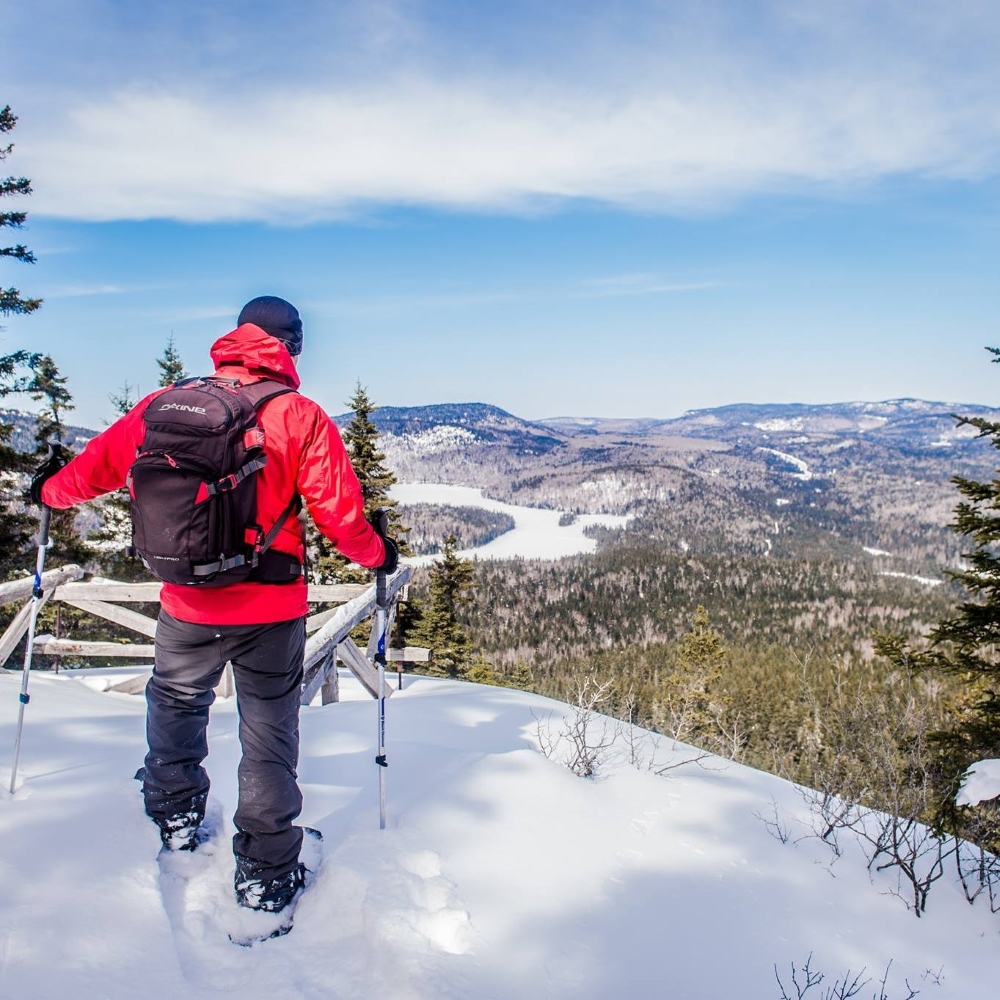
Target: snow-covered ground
{"x":501,"y":874}
{"x":536,"y":534}
{"x":927,"y":581}
{"x":804,"y":474}
{"x":981,"y":782}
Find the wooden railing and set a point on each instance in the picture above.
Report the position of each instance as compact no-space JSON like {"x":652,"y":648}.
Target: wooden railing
{"x":329,"y":631}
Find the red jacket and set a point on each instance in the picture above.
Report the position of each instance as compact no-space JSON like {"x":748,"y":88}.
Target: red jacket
{"x":304,"y":454}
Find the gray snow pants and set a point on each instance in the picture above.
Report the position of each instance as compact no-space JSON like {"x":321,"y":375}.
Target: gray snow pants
{"x":267,"y":666}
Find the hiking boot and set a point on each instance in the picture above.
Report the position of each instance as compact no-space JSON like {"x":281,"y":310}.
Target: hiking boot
{"x":183,"y":832}
{"x":271,"y":895}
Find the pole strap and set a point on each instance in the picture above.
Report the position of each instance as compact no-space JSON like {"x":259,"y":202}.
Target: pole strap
{"x":380,"y":759}
{"x":24,"y":698}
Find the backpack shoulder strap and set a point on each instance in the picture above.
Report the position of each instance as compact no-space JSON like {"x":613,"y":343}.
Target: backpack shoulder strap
{"x":258,"y":393}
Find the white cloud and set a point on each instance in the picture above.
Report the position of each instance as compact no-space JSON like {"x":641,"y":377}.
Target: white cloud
{"x":667,"y":116}
{"x":644,"y":284}
{"x":85,"y":291}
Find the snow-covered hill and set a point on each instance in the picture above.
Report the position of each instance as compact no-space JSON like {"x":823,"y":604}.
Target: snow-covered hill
{"x":501,"y":875}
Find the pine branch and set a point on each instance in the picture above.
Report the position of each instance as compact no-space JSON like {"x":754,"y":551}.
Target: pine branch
{"x":11,"y":303}
{"x":19,"y":252}
{"x":14,"y":185}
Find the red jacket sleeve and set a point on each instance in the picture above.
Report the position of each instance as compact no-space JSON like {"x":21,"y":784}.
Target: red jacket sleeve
{"x":332,"y":492}
{"x":102,"y":466}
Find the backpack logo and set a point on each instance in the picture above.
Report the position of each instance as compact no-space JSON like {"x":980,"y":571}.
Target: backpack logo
{"x":183,"y":406}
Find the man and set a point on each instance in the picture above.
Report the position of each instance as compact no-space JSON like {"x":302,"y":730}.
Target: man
{"x":259,"y":626}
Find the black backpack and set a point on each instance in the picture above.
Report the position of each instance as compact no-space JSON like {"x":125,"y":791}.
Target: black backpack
{"x":193,"y":486}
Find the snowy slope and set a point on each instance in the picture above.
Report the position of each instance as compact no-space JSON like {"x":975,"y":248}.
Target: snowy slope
{"x":502,"y":875}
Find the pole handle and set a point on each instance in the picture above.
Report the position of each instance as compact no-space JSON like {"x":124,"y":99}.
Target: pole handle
{"x":43,"y":525}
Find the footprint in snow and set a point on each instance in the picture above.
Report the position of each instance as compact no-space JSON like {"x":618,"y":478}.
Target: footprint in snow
{"x":431,"y":915}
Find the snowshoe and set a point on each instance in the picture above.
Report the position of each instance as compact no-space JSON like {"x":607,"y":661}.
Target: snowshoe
{"x":271,"y":902}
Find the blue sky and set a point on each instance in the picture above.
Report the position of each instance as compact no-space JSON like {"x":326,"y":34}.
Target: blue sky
{"x":625,"y":209}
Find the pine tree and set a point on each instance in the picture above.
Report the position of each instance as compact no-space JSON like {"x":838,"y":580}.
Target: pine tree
{"x":693,"y":707}
{"x":122,"y":401}
{"x":49,"y":386}
{"x":16,"y":523}
{"x":11,"y":300}
{"x":171,"y":366}
{"x":361,"y":438}
{"x":967,"y":646}
{"x":114,"y":536}
{"x":439,"y":626}
{"x":327,"y":565}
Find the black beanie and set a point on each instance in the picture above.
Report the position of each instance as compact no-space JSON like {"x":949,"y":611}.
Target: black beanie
{"x":277,"y":317}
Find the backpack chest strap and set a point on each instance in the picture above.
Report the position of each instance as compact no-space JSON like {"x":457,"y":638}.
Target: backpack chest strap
{"x":230,"y":482}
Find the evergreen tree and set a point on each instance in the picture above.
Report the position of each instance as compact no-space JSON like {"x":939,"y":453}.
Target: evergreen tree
{"x":361,"y":439}
{"x":11,"y":300}
{"x":966,"y":646}
{"x":439,"y":626}
{"x":123,"y":400}
{"x":171,"y":366}
{"x":693,"y":705}
{"x":16,"y":523}
{"x":113,"y":538}
{"x":49,"y":386}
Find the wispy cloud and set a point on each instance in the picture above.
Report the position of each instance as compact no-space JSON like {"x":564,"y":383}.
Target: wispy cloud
{"x":84,"y":291}
{"x":390,"y":304}
{"x":643,"y":284}
{"x":627,"y":284}
{"x":678,"y":108}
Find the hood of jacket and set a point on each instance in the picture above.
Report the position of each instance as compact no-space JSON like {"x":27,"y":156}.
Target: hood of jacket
{"x":255,"y":354}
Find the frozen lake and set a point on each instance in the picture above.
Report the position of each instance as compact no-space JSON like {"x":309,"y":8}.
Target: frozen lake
{"x":536,"y":534}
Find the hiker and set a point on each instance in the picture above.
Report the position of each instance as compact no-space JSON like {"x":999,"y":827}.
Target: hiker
{"x":257,"y":621}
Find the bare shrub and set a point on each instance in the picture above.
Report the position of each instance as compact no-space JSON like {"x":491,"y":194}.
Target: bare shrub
{"x":774,"y":823}
{"x":872,"y":771}
{"x":587,"y":740}
{"x":584,"y":738}
{"x":804,"y":979}
{"x":979,"y":873}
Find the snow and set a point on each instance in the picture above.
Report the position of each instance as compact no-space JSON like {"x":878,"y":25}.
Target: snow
{"x":980,"y":783}
{"x":434,"y":440}
{"x":781,"y":424}
{"x":875,"y":552}
{"x":501,"y":874}
{"x":536,"y":534}
{"x":804,"y":474}
{"x":926,"y":580}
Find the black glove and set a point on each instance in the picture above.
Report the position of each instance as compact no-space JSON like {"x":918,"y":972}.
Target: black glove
{"x":379,"y":520}
{"x":58,"y":456}
{"x":391,"y":557}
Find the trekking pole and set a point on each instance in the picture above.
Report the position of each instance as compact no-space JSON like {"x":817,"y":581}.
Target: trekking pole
{"x":381,"y":617}
{"x":381,"y":622}
{"x":36,"y":603}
